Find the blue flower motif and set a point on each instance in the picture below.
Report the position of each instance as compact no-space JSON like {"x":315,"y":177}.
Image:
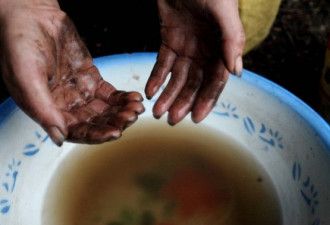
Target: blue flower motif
{"x":9,"y":184}
{"x":307,"y":190}
{"x":4,"y":206}
{"x":31,"y":149}
{"x":249,"y":125}
{"x":309,"y":194}
{"x":226,"y":109}
{"x":296,"y":171}
{"x":268,"y":136}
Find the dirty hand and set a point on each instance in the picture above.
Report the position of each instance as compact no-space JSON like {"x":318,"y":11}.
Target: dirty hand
{"x":51,"y":76}
{"x":202,"y":40}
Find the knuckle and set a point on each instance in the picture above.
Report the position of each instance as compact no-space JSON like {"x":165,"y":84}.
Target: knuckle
{"x":241,"y":39}
{"x":161,"y":64}
{"x":235,"y":38}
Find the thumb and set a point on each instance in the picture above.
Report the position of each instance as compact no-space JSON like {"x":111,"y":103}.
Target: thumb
{"x":233,"y":37}
{"x":32,"y":95}
{"x":27,"y":58}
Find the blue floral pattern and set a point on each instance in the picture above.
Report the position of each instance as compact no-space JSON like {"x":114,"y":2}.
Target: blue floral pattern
{"x":268,"y":136}
{"x":31,"y":149}
{"x":11,"y":175}
{"x":308,"y":191}
{"x":9,"y":184}
{"x":226,"y":110}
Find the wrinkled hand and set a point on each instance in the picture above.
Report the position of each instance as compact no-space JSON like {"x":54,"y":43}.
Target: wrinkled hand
{"x":201,"y":41}
{"x":51,"y":76}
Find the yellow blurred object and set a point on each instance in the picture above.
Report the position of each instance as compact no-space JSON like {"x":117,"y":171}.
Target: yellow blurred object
{"x":258,"y":17}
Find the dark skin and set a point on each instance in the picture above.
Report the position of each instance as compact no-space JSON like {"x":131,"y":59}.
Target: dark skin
{"x":51,"y":76}
{"x":55,"y":81}
{"x":201,"y":44}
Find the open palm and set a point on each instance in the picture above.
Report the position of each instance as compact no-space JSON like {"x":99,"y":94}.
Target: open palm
{"x":50,"y":74}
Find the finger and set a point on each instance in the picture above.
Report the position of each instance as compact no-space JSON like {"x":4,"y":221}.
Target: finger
{"x":233,"y":38}
{"x":136,"y":107}
{"x":214,"y":82}
{"x":98,"y":112}
{"x":98,"y":106}
{"x":174,"y":86}
{"x":84,"y":114}
{"x":30,"y":91}
{"x":104,"y":90}
{"x":104,"y":118}
{"x":163,"y":66}
{"x":122,"y":119}
{"x":187,"y":96}
{"x":88,"y":112}
{"x":123,"y":97}
{"x":92,"y":133}
{"x":39,"y":105}
{"x":107,"y":93}
{"x":25,"y":73}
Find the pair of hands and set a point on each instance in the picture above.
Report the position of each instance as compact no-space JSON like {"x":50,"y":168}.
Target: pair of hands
{"x":50,"y":73}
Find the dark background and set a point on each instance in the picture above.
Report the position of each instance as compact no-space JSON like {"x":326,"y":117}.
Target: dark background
{"x":291,"y":56}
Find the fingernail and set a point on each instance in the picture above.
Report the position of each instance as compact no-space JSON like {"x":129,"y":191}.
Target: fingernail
{"x":116,"y":135}
{"x":170,"y":123}
{"x":56,"y":135}
{"x":157,"y":117}
{"x":238,"y":66}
